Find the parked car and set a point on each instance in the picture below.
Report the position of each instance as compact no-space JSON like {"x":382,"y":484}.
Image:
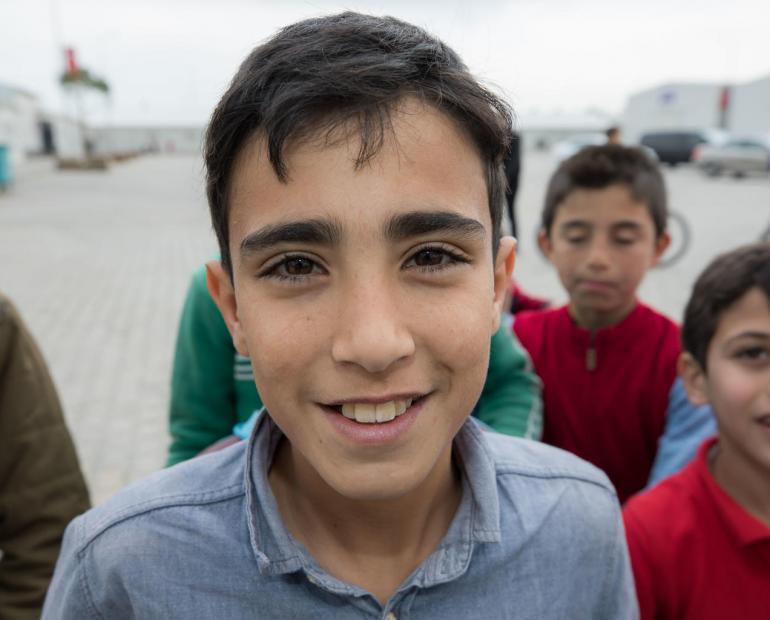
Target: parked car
{"x":739,"y":157}
{"x":676,"y":147}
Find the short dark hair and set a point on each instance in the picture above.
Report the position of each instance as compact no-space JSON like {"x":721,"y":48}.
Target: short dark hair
{"x":611,"y":131}
{"x":319,"y":74}
{"x":598,"y":167}
{"x":727,"y":278}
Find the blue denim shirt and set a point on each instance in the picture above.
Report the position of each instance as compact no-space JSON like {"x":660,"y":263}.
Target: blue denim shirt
{"x":537,"y":535}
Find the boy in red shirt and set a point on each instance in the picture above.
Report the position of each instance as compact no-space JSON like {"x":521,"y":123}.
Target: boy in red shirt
{"x":608,"y":362}
{"x":700,"y":541}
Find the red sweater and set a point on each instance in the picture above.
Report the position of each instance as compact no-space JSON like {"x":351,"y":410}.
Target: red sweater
{"x":696,"y":553}
{"x":605,"y":392}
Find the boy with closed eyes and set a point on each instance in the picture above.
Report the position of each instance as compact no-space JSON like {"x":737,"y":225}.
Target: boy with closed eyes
{"x":607,"y":361}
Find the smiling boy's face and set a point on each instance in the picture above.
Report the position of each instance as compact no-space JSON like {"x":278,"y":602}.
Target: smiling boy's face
{"x":364,"y":295}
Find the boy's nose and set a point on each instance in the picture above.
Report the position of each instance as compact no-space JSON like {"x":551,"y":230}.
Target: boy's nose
{"x":598,"y":255}
{"x":371,"y":331}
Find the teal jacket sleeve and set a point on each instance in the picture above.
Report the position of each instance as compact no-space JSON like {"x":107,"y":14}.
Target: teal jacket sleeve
{"x":204,"y":392}
{"x":511,"y":401}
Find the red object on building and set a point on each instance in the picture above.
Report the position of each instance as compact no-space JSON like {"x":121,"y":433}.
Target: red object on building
{"x":72,"y":65}
{"x":724,"y":98}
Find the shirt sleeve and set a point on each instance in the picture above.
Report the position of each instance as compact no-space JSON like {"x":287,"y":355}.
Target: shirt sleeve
{"x":618,"y":594}
{"x":203,"y":397}
{"x":511,"y":401}
{"x":687,"y":427}
{"x":68,"y":597}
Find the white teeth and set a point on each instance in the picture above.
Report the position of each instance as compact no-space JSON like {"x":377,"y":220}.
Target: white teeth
{"x":386,"y":411}
{"x":367,"y":413}
{"x":349,"y":411}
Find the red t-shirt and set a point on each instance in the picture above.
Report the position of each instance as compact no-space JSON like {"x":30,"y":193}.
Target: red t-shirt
{"x":605,"y":392}
{"x":696,"y":553}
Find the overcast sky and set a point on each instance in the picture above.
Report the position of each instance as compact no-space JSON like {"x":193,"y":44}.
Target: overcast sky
{"x":168,"y":61}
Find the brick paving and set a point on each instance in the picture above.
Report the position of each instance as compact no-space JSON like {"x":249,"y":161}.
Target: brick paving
{"x":98,"y":264}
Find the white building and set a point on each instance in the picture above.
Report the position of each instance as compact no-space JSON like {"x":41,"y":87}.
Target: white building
{"x":672,"y":106}
{"x":157,"y":139}
{"x":737,"y":108}
{"x":749,"y":111}
{"x":541,"y":130}
{"x":19,"y":129}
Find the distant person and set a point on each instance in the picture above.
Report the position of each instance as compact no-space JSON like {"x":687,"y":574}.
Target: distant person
{"x":213,"y":394}
{"x":700,"y":541}
{"x":41,"y":486}
{"x":613,"y":135}
{"x":606,"y":360}
{"x":355,"y":186}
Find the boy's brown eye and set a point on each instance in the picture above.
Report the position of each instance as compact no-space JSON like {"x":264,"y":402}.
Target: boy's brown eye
{"x":298,"y":266}
{"x":428,"y":258}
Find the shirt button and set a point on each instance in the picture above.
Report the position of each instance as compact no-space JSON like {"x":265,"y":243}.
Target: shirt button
{"x":391,"y":616}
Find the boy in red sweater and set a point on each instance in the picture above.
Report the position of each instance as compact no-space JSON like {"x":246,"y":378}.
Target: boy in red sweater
{"x":700,"y":541}
{"x":608,"y":362}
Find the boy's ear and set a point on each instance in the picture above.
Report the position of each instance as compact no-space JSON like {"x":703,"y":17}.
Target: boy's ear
{"x":221,"y":290}
{"x":544,"y":242}
{"x":694,"y":379}
{"x":504,"y":262}
{"x":661,"y":245}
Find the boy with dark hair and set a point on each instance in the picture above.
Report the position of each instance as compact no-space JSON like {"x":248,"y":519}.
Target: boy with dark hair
{"x":607,"y":361}
{"x":700,"y":541}
{"x":355,"y":185}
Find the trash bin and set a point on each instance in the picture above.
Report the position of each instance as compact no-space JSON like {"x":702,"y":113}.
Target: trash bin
{"x":5,"y":167}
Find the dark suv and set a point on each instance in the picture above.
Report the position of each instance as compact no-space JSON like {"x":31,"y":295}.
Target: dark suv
{"x":674,"y":147}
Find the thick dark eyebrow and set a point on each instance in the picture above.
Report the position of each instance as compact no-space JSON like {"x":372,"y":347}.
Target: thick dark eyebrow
{"x":317,"y":232}
{"x":418,"y":223}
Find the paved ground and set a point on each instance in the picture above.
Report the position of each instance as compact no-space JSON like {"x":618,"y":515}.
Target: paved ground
{"x":98,"y":264}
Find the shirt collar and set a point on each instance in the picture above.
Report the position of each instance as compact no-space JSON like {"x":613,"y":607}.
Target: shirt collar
{"x":477,"y":519}
{"x":629,"y":324}
{"x":743,"y":527}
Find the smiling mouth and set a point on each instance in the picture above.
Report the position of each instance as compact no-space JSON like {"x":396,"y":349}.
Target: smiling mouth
{"x":374,"y":413}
